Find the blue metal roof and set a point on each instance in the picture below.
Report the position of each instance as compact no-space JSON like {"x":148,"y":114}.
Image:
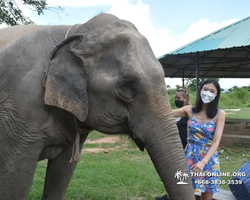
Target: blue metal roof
{"x":234,"y":35}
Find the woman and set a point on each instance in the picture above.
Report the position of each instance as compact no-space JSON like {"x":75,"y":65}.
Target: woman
{"x":182,"y":99}
{"x":205,"y":127}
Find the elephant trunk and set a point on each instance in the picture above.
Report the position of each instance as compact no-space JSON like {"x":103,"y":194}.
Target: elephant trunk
{"x":164,"y":147}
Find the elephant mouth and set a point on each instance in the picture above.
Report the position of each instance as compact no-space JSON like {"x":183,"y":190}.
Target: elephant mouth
{"x":137,"y":141}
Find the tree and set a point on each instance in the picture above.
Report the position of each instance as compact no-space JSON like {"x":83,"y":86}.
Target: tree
{"x":233,"y":88}
{"x":11,"y":13}
{"x":177,"y":86}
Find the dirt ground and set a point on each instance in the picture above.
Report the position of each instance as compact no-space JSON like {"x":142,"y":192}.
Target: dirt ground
{"x":108,"y":139}
{"x":236,"y":132}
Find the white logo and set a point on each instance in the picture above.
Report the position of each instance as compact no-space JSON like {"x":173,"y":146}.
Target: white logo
{"x":181,"y":176}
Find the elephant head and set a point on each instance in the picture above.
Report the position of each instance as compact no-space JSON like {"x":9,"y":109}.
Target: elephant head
{"x":106,"y":75}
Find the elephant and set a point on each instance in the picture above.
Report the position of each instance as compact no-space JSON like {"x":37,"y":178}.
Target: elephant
{"x":60,"y":82}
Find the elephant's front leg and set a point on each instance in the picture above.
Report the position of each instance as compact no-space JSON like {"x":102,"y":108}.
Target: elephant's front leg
{"x":58,"y":175}
{"x":16,"y":174}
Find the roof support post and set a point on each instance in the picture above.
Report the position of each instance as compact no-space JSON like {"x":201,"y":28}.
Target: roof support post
{"x":182,"y":77}
{"x":197,"y":74}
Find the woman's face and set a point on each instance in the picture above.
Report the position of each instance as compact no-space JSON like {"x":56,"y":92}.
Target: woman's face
{"x":179,"y":96}
{"x":210,"y":87}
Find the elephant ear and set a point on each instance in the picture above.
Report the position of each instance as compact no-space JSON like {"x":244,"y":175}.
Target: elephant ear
{"x":65,"y":80}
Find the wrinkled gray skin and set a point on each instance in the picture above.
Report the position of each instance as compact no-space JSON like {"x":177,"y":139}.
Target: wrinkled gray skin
{"x":106,"y":75}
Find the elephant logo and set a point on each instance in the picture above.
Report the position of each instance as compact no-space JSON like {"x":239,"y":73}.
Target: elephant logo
{"x":181,"y":176}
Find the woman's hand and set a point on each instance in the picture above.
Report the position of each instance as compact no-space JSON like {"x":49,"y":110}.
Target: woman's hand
{"x":198,"y":167}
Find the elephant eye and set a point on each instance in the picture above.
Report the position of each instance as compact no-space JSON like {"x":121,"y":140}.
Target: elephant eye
{"x":126,"y":91}
{"x":130,"y":86}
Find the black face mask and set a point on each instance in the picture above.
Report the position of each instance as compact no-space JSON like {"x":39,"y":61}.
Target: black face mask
{"x":179,"y":103}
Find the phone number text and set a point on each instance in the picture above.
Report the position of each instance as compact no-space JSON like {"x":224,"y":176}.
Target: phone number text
{"x":220,"y":182}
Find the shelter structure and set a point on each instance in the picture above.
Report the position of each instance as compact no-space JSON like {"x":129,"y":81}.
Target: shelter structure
{"x":224,"y":53}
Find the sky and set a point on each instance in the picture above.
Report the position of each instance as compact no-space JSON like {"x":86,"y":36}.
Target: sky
{"x":167,"y":24}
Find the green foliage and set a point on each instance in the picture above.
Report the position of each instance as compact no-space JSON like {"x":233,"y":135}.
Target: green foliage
{"x":227,"y":101}
{"x":94,"y":135}
{"x":177,"y":86}
{"x":241,"y":93}
{"x":11,"y":13}
{"x":237,"y":98}
{"x":171,"y":94}
{"x":234,"y":87}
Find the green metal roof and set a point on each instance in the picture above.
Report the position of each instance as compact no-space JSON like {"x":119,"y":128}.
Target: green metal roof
{"x":234,"y":35}
{"x":224,"y":53}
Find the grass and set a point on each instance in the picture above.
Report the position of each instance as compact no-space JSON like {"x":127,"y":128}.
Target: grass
{"x":243,"y":113}
{"x":232,"y":157}
{"x":125,"y":173}
{"x":95,"y":135}
{"x":127,"y":177}
{"x":122,"y":174}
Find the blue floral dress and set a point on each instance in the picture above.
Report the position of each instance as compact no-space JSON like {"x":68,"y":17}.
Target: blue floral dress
{"x":199,"y":140}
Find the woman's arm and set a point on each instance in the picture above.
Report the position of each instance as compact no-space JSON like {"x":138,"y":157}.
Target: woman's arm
{"x":217,"y":136}
{"x":183,"y":112}
{"x":215,"y":143}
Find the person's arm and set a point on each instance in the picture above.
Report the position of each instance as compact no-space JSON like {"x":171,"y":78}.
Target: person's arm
{"x":217,"y":136}
{"x":183,"y":111}
{"x":215,"y":143}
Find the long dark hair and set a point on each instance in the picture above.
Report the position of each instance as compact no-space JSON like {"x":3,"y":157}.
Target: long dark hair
{"x":213,"y":105}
